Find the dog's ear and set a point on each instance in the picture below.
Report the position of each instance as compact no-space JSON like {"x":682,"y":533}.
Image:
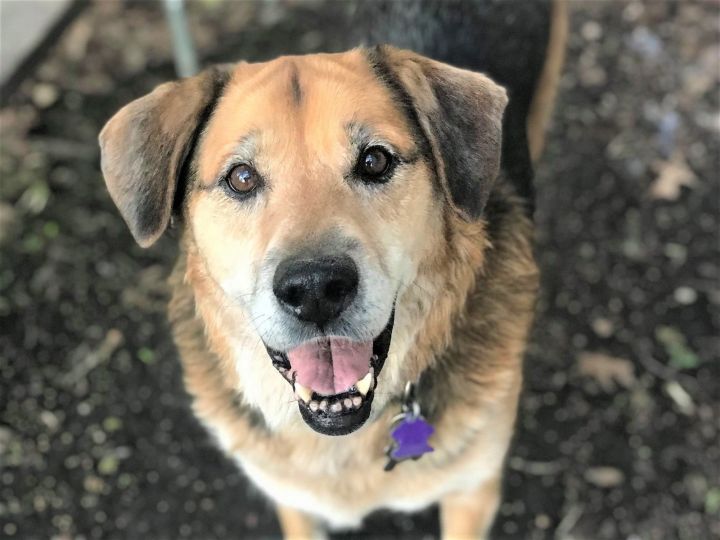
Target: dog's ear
{"x":459,"y":113}
{"x":144,"y":148}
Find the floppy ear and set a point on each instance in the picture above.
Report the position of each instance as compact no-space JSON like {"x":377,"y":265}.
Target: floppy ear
{"x":459,"y":112}
{"x":145,"y":145}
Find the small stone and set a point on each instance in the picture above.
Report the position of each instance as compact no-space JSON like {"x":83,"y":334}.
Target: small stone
{"x":685,"y":295}
{"x":542,"y":521}
{"x":591,"y":31}
{"x":93,"y":484}
{"x":44,"y":95}
{"x":603,"y":327}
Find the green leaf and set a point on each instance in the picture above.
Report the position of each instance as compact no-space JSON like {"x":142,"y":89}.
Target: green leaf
{"x":112,"y":423}
{"x":108,"y":465}
{"x":675,"y":345}
{"x":712,"y":501}
{"x":146,"y":355}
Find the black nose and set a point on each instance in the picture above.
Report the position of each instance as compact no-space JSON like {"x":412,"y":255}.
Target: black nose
{"x":316,"y":290}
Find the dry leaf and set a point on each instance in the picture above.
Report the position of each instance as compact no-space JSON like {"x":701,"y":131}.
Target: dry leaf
{"x":607,"y":370}
{"x":672,"y":175}
{"x":681,"y":398}
{"x":604,"y":477}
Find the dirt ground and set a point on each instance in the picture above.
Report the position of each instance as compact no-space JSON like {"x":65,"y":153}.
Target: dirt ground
{"x":618,"y":429}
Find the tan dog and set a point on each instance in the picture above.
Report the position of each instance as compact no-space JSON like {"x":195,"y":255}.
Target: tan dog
{"x":345,"y":232}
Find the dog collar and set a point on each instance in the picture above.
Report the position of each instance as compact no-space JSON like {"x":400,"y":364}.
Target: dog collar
{"x":409,"y":430}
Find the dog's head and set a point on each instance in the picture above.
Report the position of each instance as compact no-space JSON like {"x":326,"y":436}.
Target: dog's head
{"x":311,"y":189}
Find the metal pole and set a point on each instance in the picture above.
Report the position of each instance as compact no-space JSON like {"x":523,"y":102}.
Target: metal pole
{"x":186,"y":63}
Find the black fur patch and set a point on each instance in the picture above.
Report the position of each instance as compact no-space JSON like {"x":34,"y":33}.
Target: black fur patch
{"x":377,"y":59}
{"x":217,"y":82}
{"x":295,"y":89}
{"x":459,"y":137}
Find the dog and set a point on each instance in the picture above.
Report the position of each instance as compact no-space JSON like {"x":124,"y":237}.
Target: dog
{"x":356,"y":254}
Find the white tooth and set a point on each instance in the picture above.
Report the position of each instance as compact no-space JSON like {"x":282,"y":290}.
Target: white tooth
{"x":336,"y":407}
{"x":356,"y":401}
{"x":314,"y":405}
{"x":303,"y":392}
{"x":323,"y":405}
{"x":348,"y":403}
{"x":364,"y":384}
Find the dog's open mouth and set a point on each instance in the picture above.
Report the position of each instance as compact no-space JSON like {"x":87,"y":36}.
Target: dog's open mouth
{"x":334,"y":379}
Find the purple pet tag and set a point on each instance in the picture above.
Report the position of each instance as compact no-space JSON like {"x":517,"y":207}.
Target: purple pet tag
{"x":410,"y":432}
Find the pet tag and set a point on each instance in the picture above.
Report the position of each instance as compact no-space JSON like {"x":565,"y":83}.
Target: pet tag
{"x":410,"y":432}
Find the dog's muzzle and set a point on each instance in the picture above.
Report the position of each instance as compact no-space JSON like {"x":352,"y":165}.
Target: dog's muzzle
{"x":334,"y":377}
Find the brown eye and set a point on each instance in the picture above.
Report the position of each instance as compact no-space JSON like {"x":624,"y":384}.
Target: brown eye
{"x":242,"y":178}
{"x":374,"y":162}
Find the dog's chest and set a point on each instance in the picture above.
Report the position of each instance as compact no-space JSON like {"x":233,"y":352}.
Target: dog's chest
{"x":341,"y":485}
{"x":343,"y":479}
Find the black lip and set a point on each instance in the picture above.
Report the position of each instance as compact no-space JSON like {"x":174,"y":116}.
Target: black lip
{"x":343,"y":422}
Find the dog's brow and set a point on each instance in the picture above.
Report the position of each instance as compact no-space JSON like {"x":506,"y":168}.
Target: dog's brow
{"x":243,"y":151}
{"x":359,"y":134}
{"x":362,"y":135}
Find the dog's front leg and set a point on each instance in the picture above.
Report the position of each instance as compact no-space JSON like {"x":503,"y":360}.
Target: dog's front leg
{"x":297,"y":525}
{"x":469,"y":515}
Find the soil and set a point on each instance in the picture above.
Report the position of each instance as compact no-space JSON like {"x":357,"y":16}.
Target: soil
{"x":618,"y":431}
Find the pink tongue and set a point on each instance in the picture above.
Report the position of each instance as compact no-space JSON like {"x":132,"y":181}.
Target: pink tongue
{"x":330,"y":366}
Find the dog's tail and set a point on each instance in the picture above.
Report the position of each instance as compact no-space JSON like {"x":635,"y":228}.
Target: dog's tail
{"x":543,"y":99}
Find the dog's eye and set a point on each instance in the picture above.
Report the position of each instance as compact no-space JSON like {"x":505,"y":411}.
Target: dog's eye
{"x":374,"y":162}
{"x":242,"y":179}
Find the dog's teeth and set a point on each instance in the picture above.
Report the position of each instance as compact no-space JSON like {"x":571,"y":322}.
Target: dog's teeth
{"x":347,"y":402}
{"x":314,"y":406}
{"x":336,"y":407}
{"x":323,"y":405}
{"x":364,"y":384}
{"x":356,"y":401}
{"x":303,"y":392}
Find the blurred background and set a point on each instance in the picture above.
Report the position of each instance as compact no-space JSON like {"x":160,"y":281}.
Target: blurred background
{"x":618,"y":428}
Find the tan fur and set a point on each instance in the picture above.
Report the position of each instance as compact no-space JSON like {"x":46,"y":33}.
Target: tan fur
{"x":467,"y":292}
{"x":544,"y":98}
{"x":470,"y":514}
{"x":473,"y":429}
{"x":298,"y":526}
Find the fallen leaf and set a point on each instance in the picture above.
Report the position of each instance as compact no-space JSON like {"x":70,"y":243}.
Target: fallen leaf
{"x":607,"y":370}
{"x":673,"y":174}
{"x":680,"y":396}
